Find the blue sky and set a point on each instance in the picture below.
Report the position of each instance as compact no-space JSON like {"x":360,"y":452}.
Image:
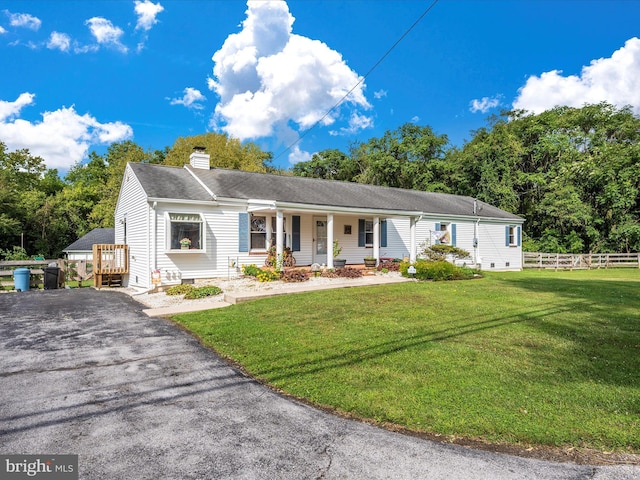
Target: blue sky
{"x":79,"y":75}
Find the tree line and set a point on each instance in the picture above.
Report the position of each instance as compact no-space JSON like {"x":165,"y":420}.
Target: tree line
{"x":572,"y":173}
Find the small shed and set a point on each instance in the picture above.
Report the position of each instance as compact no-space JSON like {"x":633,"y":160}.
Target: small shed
{"x":82,"y":249}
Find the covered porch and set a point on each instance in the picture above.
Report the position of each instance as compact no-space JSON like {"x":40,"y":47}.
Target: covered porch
{"x":310,"y":235}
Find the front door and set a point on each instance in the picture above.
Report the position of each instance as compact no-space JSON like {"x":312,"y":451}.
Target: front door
{"x":320,"y":240}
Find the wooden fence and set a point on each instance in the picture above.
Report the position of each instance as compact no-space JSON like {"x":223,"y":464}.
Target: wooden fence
{"x":585,"y":261}
{"x":71,"y":270}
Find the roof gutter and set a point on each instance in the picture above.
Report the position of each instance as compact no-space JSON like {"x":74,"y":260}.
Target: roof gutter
{"x":179,"y":200}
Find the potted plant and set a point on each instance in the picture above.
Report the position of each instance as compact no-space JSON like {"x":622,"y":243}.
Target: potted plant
{"x":370,"y":261}
{"x":337,"y":249}
{"x":185,"y":243}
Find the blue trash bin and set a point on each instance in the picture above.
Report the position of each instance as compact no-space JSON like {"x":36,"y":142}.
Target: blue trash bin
{"x":21,"y":277}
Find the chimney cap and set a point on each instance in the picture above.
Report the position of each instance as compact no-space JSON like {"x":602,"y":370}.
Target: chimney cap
{"x":199,"y":149}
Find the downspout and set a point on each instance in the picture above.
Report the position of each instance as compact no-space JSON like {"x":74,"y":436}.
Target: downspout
{"x":476,"y":243}
{"x":153,"y":240}
{"x":330,"y":237}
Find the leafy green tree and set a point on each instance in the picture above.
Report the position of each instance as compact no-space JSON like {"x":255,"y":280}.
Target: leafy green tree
{"x":573,"y":173}
{"x":408,"y":157}
{"x":115,"y":161}
{"x":329,"y":165}
{"x":225,"y":152}
{"x":20,"y":173}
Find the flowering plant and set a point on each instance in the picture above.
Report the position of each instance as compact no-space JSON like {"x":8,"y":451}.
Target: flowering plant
{"x":185,"y":241}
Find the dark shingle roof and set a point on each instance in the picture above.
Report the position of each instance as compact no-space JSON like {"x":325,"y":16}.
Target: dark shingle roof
{"x":97,"y":235}
{"x":170,"y":182}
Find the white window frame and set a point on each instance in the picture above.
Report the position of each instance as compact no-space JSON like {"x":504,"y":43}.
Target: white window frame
{"x":368,"y":232}
{"x":189,"y":217}
{"x":513,"y":235}
{"x":253,"y":232}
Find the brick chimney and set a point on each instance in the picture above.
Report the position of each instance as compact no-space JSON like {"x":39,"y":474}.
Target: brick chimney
{"x":199,"y":159}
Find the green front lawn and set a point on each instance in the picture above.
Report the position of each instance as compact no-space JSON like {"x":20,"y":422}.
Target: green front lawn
{"x":527,"y":358}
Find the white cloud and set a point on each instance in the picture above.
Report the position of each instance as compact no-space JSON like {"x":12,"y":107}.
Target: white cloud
{"x":9,"y":110}
{"x":191,"y":99}
{"x":147,"y":12}
{"x":357,"y":122}
{"x":62,"y":138}
{"x":106,"y":33}
{"x":267,"y":77}
{"x":2,"y":30}
{"x":483,"y":105}
{"x":379,"y":94}
{"x":60,"y":41}
{"x":24,"y":20}
{"x":296,"y":155}
{"x":615,"y":79}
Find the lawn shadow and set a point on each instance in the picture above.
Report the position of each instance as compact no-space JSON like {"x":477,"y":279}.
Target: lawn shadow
{"x":603,"y":327}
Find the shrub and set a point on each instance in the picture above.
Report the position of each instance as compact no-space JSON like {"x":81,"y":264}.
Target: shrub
{"x":293,"y":276}
{"x":250,"y":270}
{"x":329,"y":273}
{"x":262,"y":274}
{"x":180,"y":289}
{"x":389,"y":266}
{"x":348,"y":272}
{"x":17,"y":253}
{"x":268,"y":275}
{"x":202,"y":292}
{"x":441,"y":251}
{"x":439,"y":270}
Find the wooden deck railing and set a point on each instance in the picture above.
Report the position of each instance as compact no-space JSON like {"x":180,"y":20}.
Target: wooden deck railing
{"x":110,"y":261}
{"x":569,"y":261}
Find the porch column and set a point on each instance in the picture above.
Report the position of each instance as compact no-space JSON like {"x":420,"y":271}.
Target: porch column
{"x":279,"y":234}
{"x":376,"y":239}
{"x":413,"y":250}
{"x":329,"y":240}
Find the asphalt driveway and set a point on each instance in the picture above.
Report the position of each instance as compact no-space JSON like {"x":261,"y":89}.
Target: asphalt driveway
{"x":86,"y":372}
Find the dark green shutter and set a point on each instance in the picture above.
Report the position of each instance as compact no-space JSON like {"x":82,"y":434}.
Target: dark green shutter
{"x":506,"y":236}
{"x":518,"y":234}
{"x":361,"y":233}
{"x":243,"y":232}
{"x":453,"y":234}
{"x":295,"y":234}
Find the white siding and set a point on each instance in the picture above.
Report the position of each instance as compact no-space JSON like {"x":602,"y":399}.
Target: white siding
{"x":132,"y":204}
{"x":491,"y":243}
{"x":490,"y":249}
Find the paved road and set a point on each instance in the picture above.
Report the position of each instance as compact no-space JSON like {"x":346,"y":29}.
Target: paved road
{"x":85,"y":372}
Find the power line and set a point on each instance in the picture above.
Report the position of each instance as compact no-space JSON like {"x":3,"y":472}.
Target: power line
{"x":362,"y":79}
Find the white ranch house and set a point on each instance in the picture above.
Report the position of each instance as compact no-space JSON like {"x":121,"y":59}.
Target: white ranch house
{"x":229,"y":218}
